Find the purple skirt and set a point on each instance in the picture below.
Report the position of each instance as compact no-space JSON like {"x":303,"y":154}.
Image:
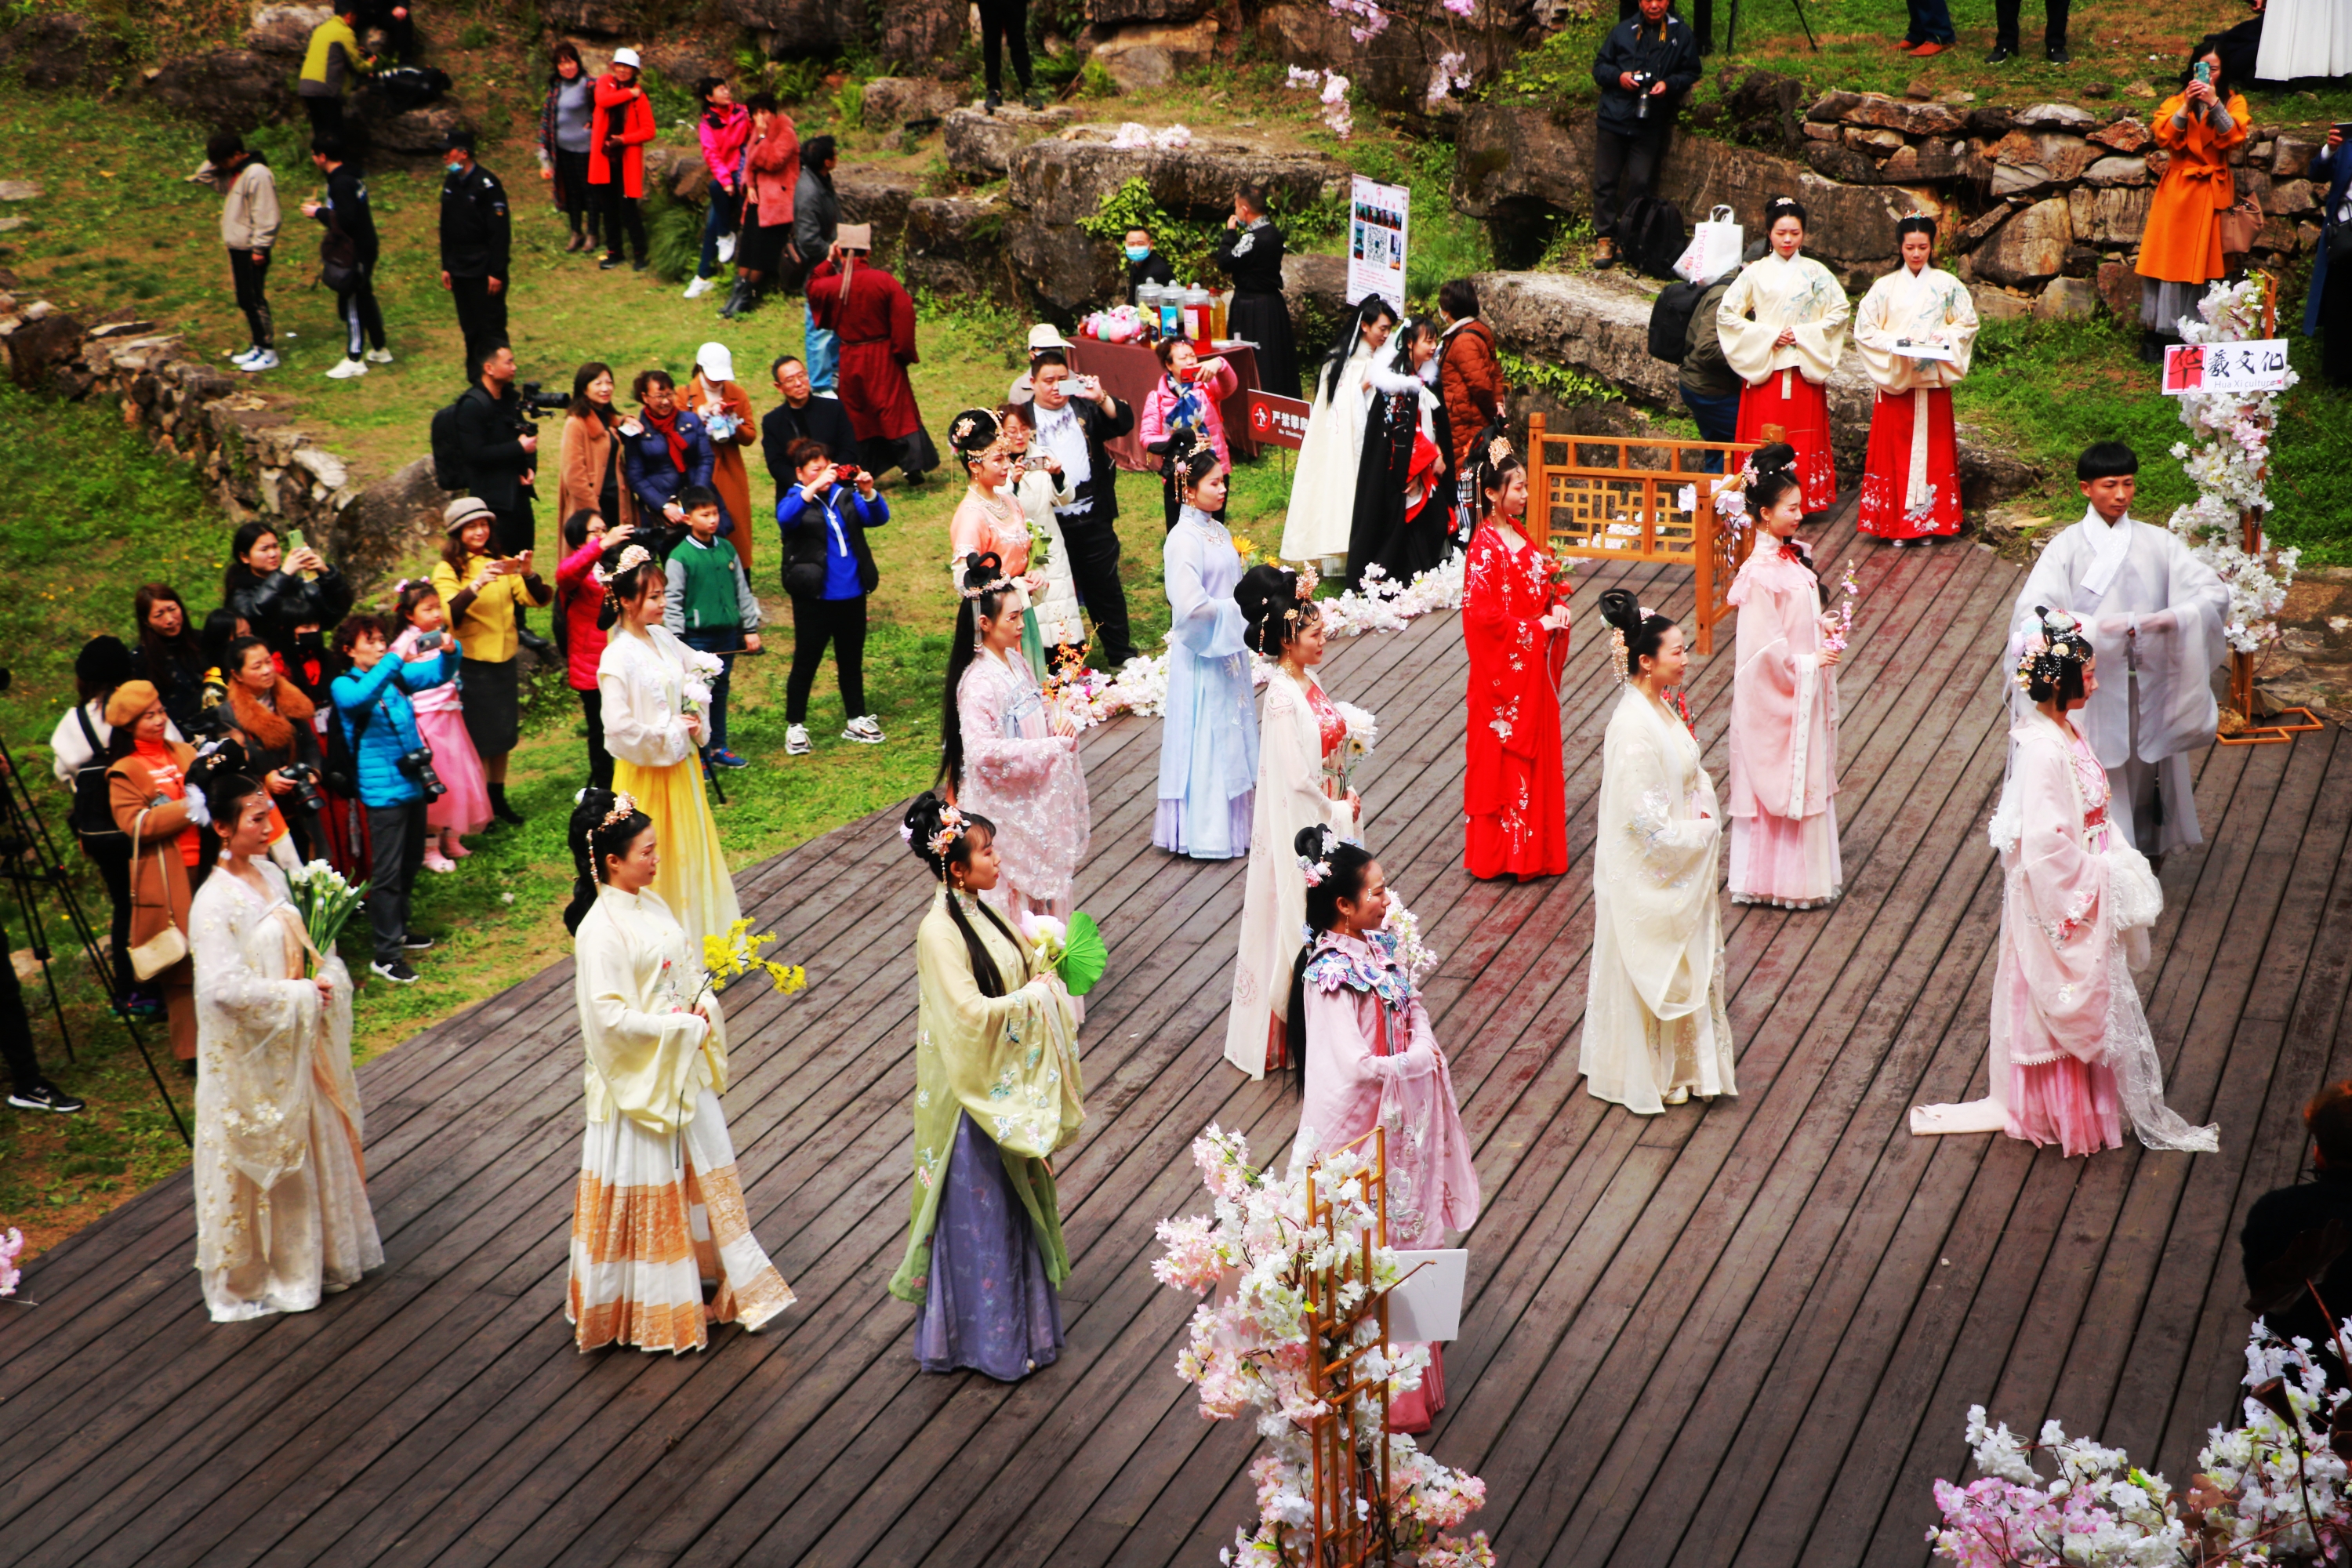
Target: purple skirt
{"x":988,"y":1306}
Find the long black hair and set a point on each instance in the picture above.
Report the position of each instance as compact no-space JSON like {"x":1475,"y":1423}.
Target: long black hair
{"x":1643,"y":633}
{"x":1271,"y":606}
{"x":1344,"y":878}
{"x":1370,"y":311}
{"x":985,"y":591}
{"x":225,"y":797}
{"x":923,"y":821}
{"x":593,"y":838}
{"x":2211,"y":43}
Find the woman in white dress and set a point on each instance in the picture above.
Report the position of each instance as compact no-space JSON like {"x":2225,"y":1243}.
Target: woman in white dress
{"x":282,"y":1214}
{"x":1655,"y":1032}
{"x":658,"y":1210}
{"x":1911,"y":479}
{"x":1301,"y":784}
{"x":655,"y":715}
{"x":1782,"y":327}
{"x":1323,"y":493}
{"x":2304,"y":38}
{"x":1039,"y":486}
{"x":1005,"y":756}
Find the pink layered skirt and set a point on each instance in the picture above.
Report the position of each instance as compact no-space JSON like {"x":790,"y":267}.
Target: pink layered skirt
{"x":466,"y":806}
{"x":1789,"y":862}
{"x":2070,"y":1103}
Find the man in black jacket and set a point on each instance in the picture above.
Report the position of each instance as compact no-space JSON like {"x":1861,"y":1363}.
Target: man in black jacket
{"x":2298,"y":1239}
{"x":1075,"y":416}
{"x":475,"y":233}
{"x":349,"y":224}
{"x":801,"y":413}
{"x":500,"y":448}
{"x":1251,"y":254}
{"x":1645,"y":67}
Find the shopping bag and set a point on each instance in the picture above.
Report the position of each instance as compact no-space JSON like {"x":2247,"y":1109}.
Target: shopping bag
{"x":1714,"y":250}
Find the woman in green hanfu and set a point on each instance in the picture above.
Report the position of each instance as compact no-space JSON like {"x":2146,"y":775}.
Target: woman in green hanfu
{"x":996,"y":1093}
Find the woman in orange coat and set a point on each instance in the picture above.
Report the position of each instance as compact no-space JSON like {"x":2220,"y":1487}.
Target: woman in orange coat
{"x":726,"y":410}
{"x":617,"y":134}
{"x":148,"y":791}
{"x":2182,"y":252}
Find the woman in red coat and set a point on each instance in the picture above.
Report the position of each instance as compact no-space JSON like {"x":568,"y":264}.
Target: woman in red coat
{"x":1514,"y":620}
{"x":865,"y":308}
{"x":617,"y":134}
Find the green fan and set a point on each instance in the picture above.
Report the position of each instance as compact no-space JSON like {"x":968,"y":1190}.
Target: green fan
{"x":1084,"y":956}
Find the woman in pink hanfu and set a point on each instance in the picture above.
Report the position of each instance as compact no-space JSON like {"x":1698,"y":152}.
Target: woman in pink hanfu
{"x":1784,"y":838}
{"x":2071,"y":1055}
{"x":1365,"y":1056}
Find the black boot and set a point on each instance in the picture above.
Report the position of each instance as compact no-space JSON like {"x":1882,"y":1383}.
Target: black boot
{"x":739,"y":298}
{"x":500,"y":809}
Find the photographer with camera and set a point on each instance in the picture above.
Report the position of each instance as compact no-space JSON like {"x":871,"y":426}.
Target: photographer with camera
{"x":1646,"y":66}
{"x":271,"y":719}
{"x":396,"y":780}
{"x":829,"y":571}
{"x":484,"y":590}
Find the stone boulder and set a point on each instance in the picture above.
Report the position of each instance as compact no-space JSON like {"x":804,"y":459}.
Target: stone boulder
{"x":2114,"y":216}
{"x":956,"y":246}
{"x":1143,"y":57}
{"x":1067,"y":273}
{"x":235,"y":88}
{"x":420,"y":132}
{"x":2068,"y":117}
{"x":890,"y":101}
{"x":1063,"y":178}
{"x":1390,"y":69}
{"x":388,"y":522}
{"x":1765,"y":109}
{"x":51,"y":49}
{"x":2026,"y":161}
{"x":285,"y":30}
{"x":800,"y":27}
{"x":1120,"y":13}
{"x":1315,"y":289}
{"x":979,"y":145}
{"x":1517,"y":161}
{"x":1904,"y":116}
{"x":2118,"y":170}
{"x":598,"y":18}
{"x":923,"y":35}
{"x":1997,"y":304}
{"x":871,"y":194}
{"x":2066,"y":299}
{"x":2031,"y":246}
{"x":41,"y":345}
{"x":2124,"y":135}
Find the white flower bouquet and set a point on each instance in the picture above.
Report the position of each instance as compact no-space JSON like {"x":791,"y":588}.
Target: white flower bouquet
{"x":326,"y":903}
{"x":702,"y":669}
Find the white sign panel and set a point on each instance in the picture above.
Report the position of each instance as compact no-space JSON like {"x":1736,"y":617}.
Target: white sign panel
{"x":2259,"y":365}
{"x":1376,"y":239}
{"x":1427,"y":1305}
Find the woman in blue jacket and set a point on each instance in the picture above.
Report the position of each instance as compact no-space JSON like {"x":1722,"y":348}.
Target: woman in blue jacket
{"x":828,"y":570}
{"x":380,"y":727}
{"x":2328,"y":312}
{"x":669,"y":451}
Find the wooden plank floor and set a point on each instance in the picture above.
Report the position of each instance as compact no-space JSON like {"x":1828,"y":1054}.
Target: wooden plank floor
{"x":1739,"y":1333}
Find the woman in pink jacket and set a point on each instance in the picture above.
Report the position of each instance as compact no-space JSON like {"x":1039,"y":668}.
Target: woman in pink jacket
{"x":771,"y":167}
{"x":1189,"y":396}
{"x":725,"y":126}
{"x":579,"y":595}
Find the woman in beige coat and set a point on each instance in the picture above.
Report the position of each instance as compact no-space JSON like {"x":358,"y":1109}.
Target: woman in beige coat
{"x":152,"y":802}
{"x":589,"y":477}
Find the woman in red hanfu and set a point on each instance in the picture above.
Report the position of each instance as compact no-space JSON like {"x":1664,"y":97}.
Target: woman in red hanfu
{"x":1514,"y":620}
{"x":1782,"y":326}
{"x":1915,"y":329}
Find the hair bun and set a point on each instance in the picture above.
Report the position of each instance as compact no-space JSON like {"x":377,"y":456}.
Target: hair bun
{"x":1310,"y":844}
{"x":1620,"y":609}
{"x":1267,"y":593}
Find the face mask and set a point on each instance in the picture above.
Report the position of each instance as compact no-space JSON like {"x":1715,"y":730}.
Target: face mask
{"x":1137,"y":252}
{"x":454,"y":168}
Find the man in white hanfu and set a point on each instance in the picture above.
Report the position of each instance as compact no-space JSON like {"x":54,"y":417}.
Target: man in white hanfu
{"x":2156,"y":614}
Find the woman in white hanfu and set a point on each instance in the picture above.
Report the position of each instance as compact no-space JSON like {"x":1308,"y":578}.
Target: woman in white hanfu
{"x":1911,"y":479}
{"x":1006,"y":757}
{"x":2070,"y":1049}
{"x":1323,"y":492}
{"x":282,"y":1212}
{"x":1655,"y":1032}
{"x":1302,"y":748}
{"x":658,"y":1209}
{"x":1782,"y":327}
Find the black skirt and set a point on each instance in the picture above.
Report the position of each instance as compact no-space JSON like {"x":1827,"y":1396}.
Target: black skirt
{"x":760,"y":248}
{"x":489,"y":696}
{"x":1264,"y":320}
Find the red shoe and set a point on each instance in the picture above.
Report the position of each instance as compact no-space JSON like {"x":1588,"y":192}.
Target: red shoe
{"x":1904,"y":45}
{"x":1929,"y":48}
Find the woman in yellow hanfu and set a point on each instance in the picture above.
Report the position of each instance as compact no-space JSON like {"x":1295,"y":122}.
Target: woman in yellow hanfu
{"x":658,"y":1211}
{"x":996,"y":1093}
{"x":656,"y":696}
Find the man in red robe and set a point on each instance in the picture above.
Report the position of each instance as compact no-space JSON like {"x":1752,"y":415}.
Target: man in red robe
{"x":870,"y":313}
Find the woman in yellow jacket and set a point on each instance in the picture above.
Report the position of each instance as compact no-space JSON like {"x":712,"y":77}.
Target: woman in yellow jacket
{"x":482,"y":592}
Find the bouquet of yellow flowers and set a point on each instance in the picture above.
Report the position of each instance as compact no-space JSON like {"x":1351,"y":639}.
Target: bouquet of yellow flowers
{"x":728,"y":958}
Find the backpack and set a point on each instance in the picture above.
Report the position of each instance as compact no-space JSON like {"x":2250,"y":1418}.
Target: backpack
{"x":93,"y":794}
{"x":450,"y":470}
{"x":1670,"y":320}
{"x":410,"y":86}
{"x":1651,"y":234}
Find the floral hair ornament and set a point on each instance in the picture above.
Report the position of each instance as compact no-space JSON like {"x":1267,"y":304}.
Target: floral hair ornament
{"x":632,"y":557}
{"x":1498,"y":451}
{"x":2061,"y":642}
{"x":625,"y":807}
{"x":1319,"y":867}
{"x":953,"y":826}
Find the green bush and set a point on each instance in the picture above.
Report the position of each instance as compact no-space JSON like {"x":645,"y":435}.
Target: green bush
{"x":1187,"y":243}
{"x":1556,"y":380}
{"x":673,"y":234}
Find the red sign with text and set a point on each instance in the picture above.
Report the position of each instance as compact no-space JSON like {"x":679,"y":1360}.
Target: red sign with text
{"x":1276,"y":421}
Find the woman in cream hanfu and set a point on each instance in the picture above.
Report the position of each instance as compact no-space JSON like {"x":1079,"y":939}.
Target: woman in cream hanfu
{"x":282,"y":1214}
{"x":1911,"y":480}
{"x":989,"y":519}
{"x":1654,"y":1028}
{"x":1784,"y":834}
{"x":2071,"y":1053}
{"x":1041,"y":488}
{"x":1302,"y":749}
{"x":1322,"y":513}
{"x":658,"y":1210}
{"x":1782,"y":325}
{"x":655,"y":716}
{"x":997,"y":1093}
{"x":1005,"y":757}
{"x":1366,"y":1057}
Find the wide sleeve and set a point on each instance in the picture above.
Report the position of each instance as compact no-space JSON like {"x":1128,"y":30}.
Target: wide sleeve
{"x":1011,"y":1061}
{"x":1820,"y":338}
{"x":1746,"y":344}
{"x":967,"y":533}
{"x":1207,"y":625}
{"x":647,"y":1059}
{"x":902,"y":326}
{"x":2052,"y":914}
{"x":1874,"y":333}
{"x":639,"y":726}
{"x":1667,"y":846}
{"x":1342,"y":1025}
{"x":1290,"y":765}
{"x":228,"y":979}
{"x":1960,"y":329}
{"x":1011,"y":763}
{"x":1768,"y":693}
{"x":256,"y":1027}
{"x":2176,"y":650}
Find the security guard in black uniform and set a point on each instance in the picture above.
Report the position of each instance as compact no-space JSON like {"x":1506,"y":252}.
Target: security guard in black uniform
{"x":475,"y":233}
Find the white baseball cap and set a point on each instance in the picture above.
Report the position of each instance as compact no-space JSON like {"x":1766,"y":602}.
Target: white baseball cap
{"x":1046,"y":336}
{"x":716,"y":363}
{"x":627,"y":57}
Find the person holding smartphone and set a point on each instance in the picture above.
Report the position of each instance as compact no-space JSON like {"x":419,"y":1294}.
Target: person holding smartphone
{"x":485,"y":592}
{"x":2328,"y":312}
{"x":2181,"y":250}
{"x":1075,"y":416}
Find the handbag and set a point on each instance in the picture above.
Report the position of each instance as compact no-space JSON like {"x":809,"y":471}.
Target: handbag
{"x":1714,"y":250}
{"x":166,"y":947}
{"x":2339,"y":237}
{"x":2240,"y":225}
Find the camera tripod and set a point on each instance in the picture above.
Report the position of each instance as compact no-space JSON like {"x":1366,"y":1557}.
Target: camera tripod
{"x":29,"y":864}
{"x":1731,"y":29}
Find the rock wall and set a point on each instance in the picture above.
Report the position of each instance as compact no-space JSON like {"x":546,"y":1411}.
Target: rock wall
{"x":254,"y":462}
{"x":1600,"y":323}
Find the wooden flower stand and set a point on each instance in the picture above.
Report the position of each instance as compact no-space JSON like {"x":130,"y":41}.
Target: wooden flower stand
{"x":1350,"y":1492}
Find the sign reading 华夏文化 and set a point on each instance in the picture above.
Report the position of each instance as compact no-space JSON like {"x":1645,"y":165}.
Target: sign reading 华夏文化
{"x":2259,"y":365}
{"x":1276,"y":421}
{"x":1377,"y":215}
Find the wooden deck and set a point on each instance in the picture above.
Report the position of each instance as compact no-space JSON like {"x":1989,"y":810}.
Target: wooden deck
{"x":1743,"y":1333}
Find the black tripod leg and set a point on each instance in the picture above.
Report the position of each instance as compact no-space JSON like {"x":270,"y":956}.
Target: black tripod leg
{"x":1810,"y":41}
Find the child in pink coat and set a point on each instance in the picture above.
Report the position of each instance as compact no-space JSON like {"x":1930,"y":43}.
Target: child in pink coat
{"x":465,"y":807}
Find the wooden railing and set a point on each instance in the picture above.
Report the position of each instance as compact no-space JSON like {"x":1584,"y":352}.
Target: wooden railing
{"x":1616,"y":499}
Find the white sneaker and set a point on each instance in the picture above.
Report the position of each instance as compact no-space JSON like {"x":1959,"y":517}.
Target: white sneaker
{"x":698,"y":288}
{"x":265,"y":359}
{"x":379,"y":356}
{"x":865,"y":731}
{"x":726,"y":248}
{"x":796,"y":741}
{"x":243,"y":354}
{"x":345,"y":369}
